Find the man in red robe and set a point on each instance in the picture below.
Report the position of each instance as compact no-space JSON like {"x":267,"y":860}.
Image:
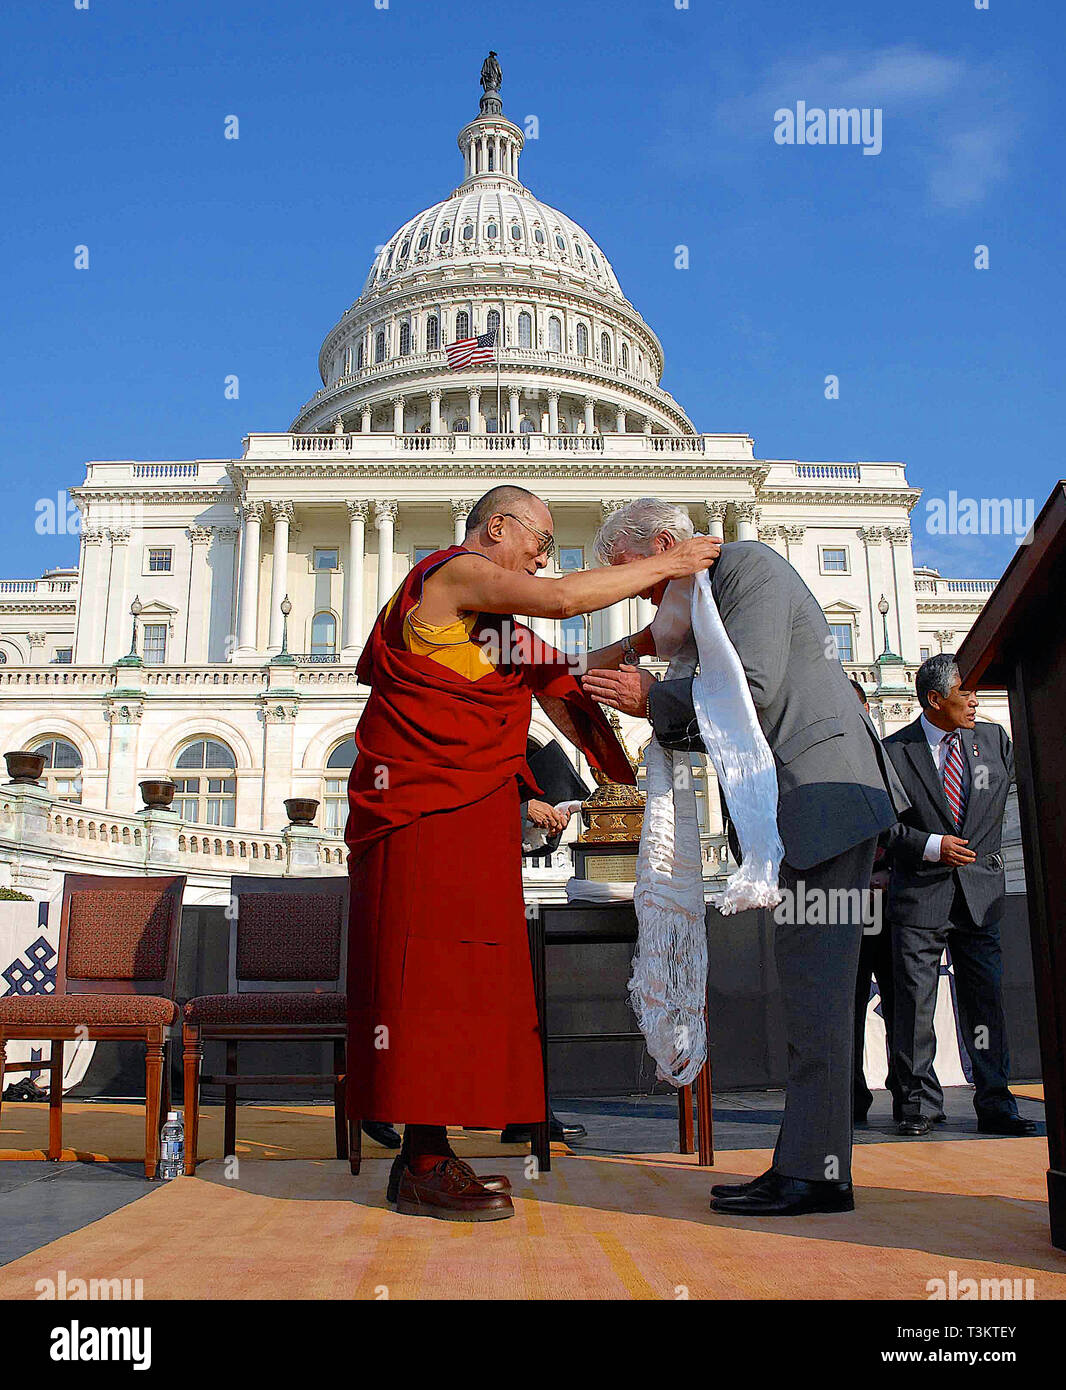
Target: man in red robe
{"x":442,"y":1024}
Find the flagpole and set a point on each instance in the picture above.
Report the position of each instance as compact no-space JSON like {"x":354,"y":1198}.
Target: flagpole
{"x":499,"y":421}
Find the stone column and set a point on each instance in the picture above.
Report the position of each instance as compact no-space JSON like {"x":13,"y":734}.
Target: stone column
{"x":747,"y":521}
{"x":774,"y":537}
{"x":477,"y":425}
{"x":794,"y":543}
{"x":876,"y":584}
{"x":590,"y":415}
{"x":117,"y":623}
{"x":715,"y":518}
{"x":512,"y":395}
{"x":616,"y":619}
{"x":397,"y":414}
{"x":89,"y":638}
{"x":279,"y":577}
{"x":36,"y":642}
{"x":385,"y":521}
{"x":434,"y":411}
{"x":553,"y":412}
{"x":906,"y":606}
{"x":620,"y":421}
{"x":460,"y":512}
{"x":364,"y":419}
{"x":247,"y":628}
{"x":647,"y":424}
{"x":352,"y":620}
{"x":196,"y":620}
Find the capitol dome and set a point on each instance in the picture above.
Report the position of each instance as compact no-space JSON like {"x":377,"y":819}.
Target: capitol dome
{"x":575,"y":355}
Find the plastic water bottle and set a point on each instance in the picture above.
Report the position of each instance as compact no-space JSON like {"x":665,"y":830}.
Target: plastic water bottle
{"x":172,"y":1147}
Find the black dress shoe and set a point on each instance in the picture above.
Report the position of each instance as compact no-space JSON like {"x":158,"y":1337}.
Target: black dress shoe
{"x":382,"y":1134}
{"x":522,"y":1134}
{"x":734,"y":1189}
{"x":781,"y":1196}
{"x":915,"y":1128}
{"x":1004,"y":1124}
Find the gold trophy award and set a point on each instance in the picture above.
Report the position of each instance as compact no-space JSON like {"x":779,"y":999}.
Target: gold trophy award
{"x":606,"y":849}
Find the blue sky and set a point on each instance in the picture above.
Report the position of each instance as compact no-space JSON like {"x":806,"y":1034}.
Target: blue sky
{"x":211,"y":256}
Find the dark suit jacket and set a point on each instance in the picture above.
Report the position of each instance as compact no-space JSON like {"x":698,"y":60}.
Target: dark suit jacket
{"x":921,"y":894}
{"x":836,"y":786}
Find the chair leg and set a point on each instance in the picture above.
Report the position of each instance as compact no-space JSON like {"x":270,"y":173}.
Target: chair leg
{"x":685,"y":1133}
{"x":229,"y":1145}
{"x":705,"y":1114}
{"x":153,"y":1094}
{"x":355,"y":1145}
{"x":339,"y":1123}
{"x":55,"y":1102}
{"x":192,"y":1057}
{"x":3,"y":1059}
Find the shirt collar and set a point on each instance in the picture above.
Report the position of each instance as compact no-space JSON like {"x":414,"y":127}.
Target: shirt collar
{"x":933,"y":735}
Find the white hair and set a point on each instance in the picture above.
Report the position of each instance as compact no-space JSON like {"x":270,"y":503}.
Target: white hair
{"x":633,"y":528}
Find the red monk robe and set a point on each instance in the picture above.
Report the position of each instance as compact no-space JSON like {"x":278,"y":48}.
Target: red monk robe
{"x":442,"y":1023}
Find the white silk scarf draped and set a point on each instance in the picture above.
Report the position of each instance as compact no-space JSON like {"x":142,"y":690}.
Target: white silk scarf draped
{"x":668,"y":985}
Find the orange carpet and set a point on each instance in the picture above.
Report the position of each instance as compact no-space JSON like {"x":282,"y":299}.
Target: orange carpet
{"x":592,"y":1228}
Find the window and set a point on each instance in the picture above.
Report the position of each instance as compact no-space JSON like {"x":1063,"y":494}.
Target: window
{"x":432,"y":333}
{"x":445,"y":234}
{"x":154,"y":644}
{"x":571,"y":557}
{"x":323,"y":634}
{"x":404,"y":249}
{"x":3,"y":658}
{"x":578,"y":251}
{"x":405,"y":339}
{"x":493,"y":321}
{"x":924,"y":653}
{"x":491,"y":425}
{"x":834,"y":559}
{"x":462,"y":324}
{"x":605,"y":347}
{"x":538,"y":236}
{"x":360,"y":361}
{"x":845,"y":646}
{"x":492,"y":231}
{"x":582,"y":340}
{"x":423,"y":241}
{"x":516,"y":232}
{"x":64,"y":656}
{"x":421,"y":552}
{"x":625,"y":357}
{"x":559,"y":241}
{"x":335,"y":801}
{"x":468,"y":232}
{"x":160,"y":559}
{"x":525,"y":330}
{"x":574,"y":635}
{"x":206,"y":789}
{"x":555,"y":335}
{"x":492,"y":158}
{"x":526,"y":426}
{"x":461,"y":426}
{"x":326,"y":557}
{"x":62,"y":768}
{"x":379,"y":347}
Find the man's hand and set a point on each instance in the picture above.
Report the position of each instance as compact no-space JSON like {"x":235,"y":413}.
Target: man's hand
{"x":547,"y":817}
{"x":625,"y":690}
{"x":954,"y":851}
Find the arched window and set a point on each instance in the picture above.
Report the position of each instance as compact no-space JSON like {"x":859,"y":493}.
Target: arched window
{"x":492,"y":321}
{"x":582,"y":340}
{"x":578,"y":251}
{"x":605,"y":347}
{"x":379,"y":347}
{"x":323,"y":634}
{"x":404,"y":249}
{"x":360,"y":357}
{"x":205,"y":784}
{"x":3,"y":658}
{"x":461,"y":426}
{"x":625,"y":357}
{"x":405,"y":339}
{"x":559,"y":241}
{"x":526,"y":426}
{"x":445,"y":234}
{"x":538,"y":236}
{"x":432,"y":333}
{"x":462,"y":324}
{"x":348,"y":360}
{"x":335,"y":793}
{"x":555,"y":335}
{"x":492,"y":231}
{"x":468,"y":232}
{"x":62,"y":767}
{"x":516,"y":231}
{"x":574,"y":636}
{"x":492,"y":158}
{"x":491,"y":424}
{"x":423,"y":241}
{"x":525,"y":329}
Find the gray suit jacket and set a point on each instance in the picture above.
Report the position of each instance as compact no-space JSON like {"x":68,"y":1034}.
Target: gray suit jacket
{"x":836,"y":786}
{"x":921,"y":894}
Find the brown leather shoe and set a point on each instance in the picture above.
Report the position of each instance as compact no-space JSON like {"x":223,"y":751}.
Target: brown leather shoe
{"x":494,"y":1182}
{"x":450,"y":1193}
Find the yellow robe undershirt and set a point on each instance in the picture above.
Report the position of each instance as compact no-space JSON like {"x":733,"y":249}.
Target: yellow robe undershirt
{"x":447,"y":643}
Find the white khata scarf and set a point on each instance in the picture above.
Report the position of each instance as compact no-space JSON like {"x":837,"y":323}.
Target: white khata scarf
{"x":668,"y":985}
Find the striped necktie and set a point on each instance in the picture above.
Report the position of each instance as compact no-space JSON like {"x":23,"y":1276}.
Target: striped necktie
{"x":952,"y":774}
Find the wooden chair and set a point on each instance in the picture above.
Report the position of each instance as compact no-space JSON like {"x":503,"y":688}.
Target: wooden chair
{"x":287,"y":958}
{"x":115,"y":981}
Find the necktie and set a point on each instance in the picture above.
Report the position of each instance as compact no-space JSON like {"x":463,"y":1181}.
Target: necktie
{"x":952,"y":774}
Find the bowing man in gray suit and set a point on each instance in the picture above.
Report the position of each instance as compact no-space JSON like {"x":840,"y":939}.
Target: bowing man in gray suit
{"x":946,"y":889}
{"x":837,"y":793}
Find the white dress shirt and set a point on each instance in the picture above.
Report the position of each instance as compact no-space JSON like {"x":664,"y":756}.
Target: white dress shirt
{"x":938,"y":750}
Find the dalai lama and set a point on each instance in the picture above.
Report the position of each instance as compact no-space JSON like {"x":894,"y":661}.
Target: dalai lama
{"x":442,"y":1021}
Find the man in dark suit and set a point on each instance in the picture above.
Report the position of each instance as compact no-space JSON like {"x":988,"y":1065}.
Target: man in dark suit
{"x":947,"y":889}
{"x":837,"y":793}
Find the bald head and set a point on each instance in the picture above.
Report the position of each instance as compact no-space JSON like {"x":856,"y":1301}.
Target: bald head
{"x":508,"y":498}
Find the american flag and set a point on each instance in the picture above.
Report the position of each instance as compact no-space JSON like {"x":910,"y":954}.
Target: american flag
{"x":467,"y":351}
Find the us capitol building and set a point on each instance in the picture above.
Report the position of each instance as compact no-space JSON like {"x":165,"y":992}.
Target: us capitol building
{"x":210,"y":631}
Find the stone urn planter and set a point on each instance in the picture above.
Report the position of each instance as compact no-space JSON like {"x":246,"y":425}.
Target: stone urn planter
{"x":25,"y":769}
{"x":301,"y":810}
{"x":157,"y":796}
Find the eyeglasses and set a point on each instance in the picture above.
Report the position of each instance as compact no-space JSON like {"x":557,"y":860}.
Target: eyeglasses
{"x":547,"y":543}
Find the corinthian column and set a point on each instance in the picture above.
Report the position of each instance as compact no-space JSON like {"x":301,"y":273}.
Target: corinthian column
{"x":476,"y":424}
{"x":460,"y":511}
{"x":715,"y":518}
{"x":385,"y":521}
{"x":553,"y":412}
{"x":352,"y":620}
{"x":590,"y":415}
{"x":434,"y":411}
{"x":249,"y":585}
{"x":747,"y":521}
{"x":279,"y":577}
